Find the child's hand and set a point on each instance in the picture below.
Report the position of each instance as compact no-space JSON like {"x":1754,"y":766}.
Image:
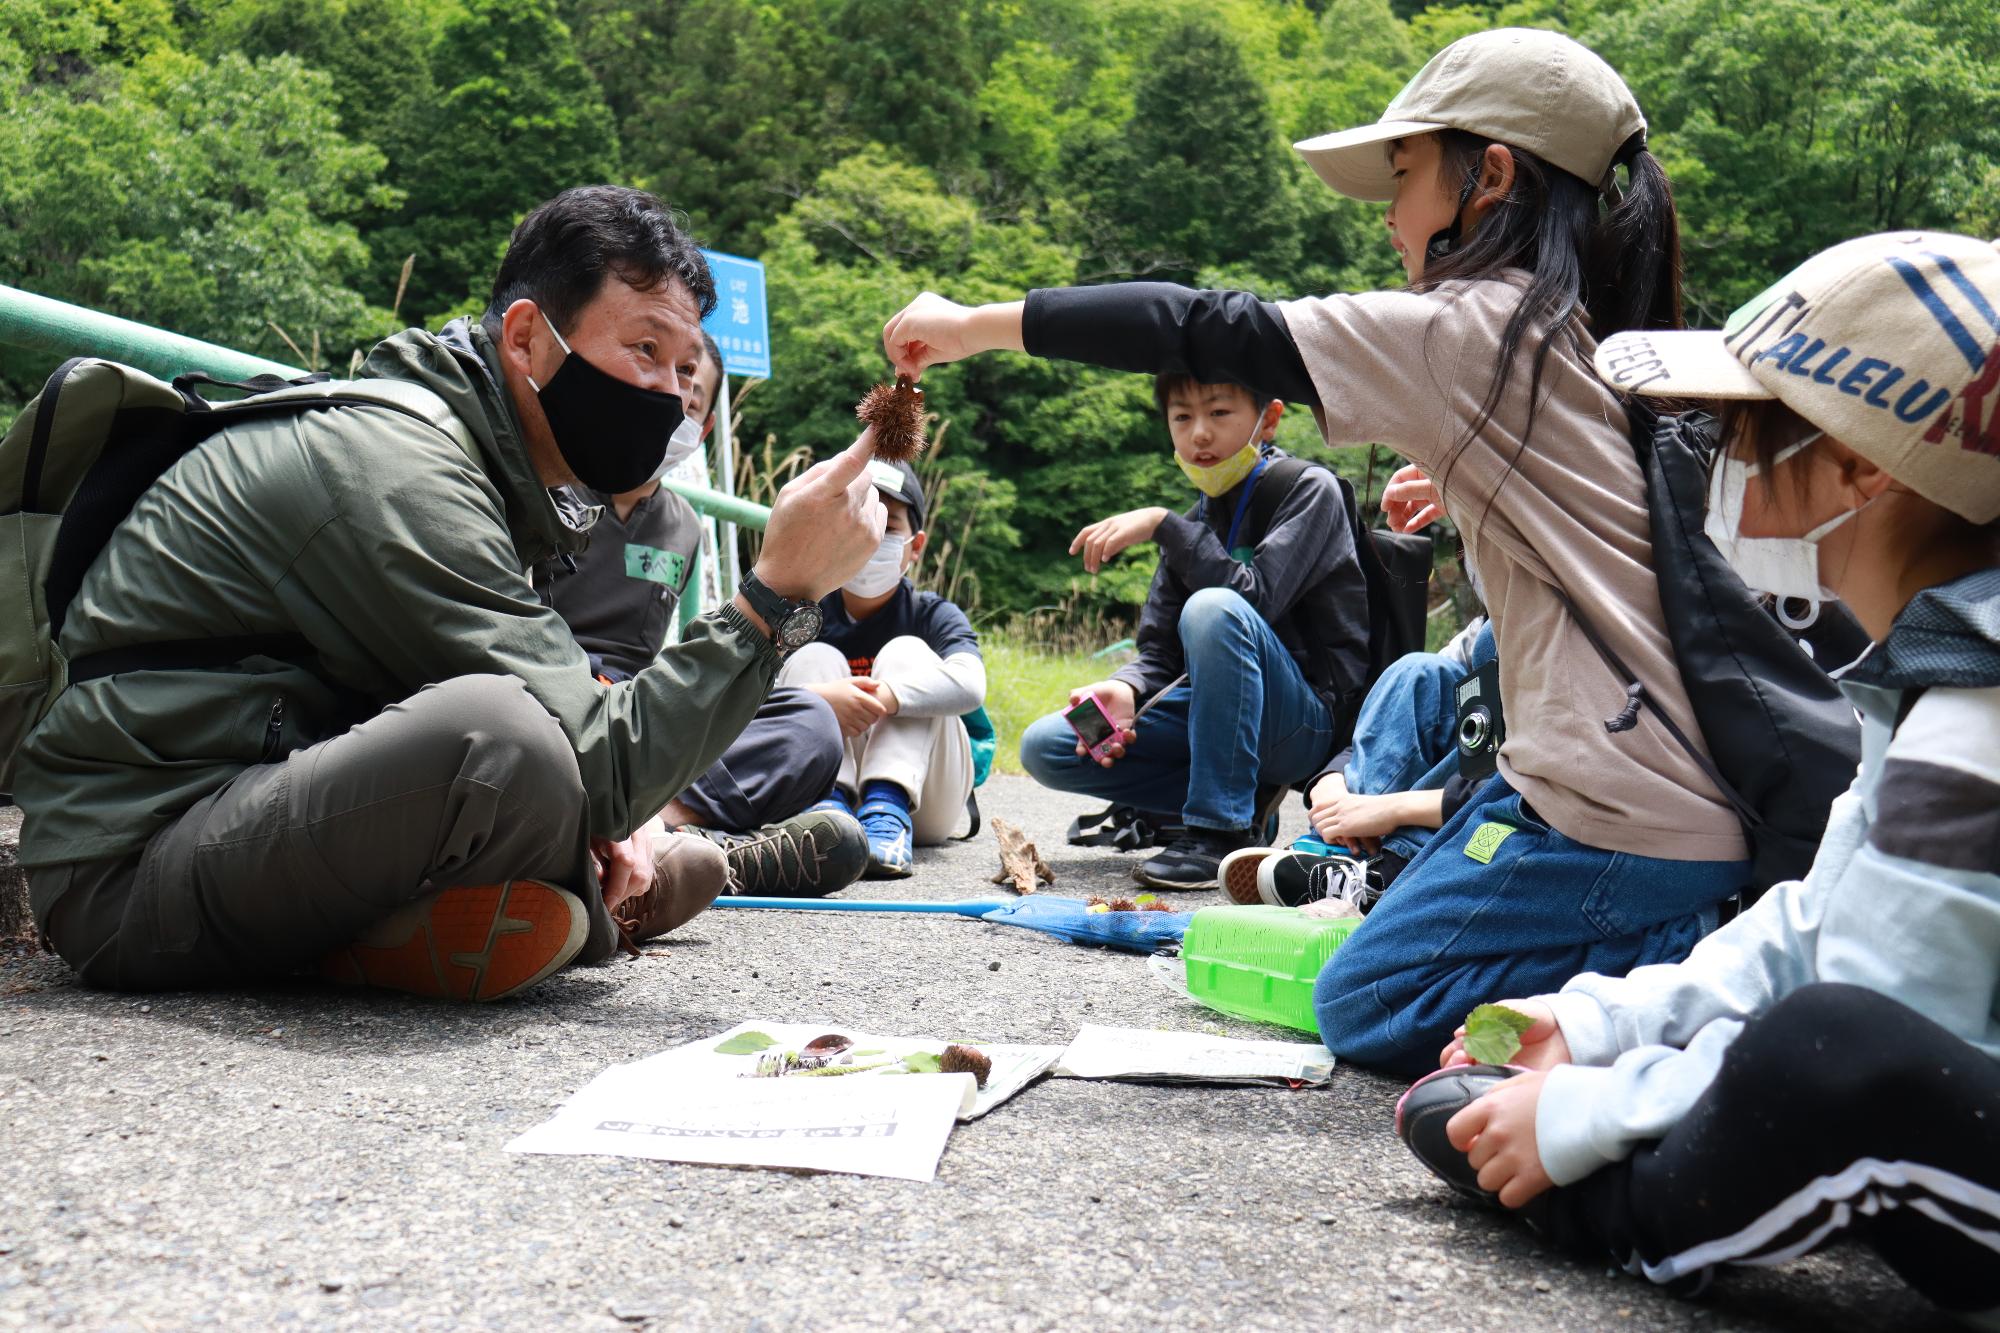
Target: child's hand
{"x":931,"y":330}
{"x":1121,"y":703}
{"x":1330,"y":785}
{"x":1543,"y":1046}
{"x":1497,"y":1135}
{"x":884,"y":695}
{"x":1410,"y":500}
{"x":854,"y":705}
{"x":1108,"y":536}
{"x":1356,"y":819}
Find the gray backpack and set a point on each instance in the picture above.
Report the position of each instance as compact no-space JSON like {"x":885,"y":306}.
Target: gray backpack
{"x":72,"y":466}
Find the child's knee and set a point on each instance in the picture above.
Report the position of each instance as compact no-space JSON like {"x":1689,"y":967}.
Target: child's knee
{"x":1212,"y":611}
{"x":901,"y":654}
{"x":815,"y":663}
{"x":1048,"y":749}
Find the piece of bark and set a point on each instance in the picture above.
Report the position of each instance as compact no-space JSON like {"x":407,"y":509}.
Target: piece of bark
{"x":1021,"y":866}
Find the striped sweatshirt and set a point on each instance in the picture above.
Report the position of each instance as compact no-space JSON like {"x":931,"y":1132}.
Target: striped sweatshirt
{"x":1903,"y":898}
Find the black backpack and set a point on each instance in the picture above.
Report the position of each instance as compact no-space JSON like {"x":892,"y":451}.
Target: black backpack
{"x":1395,"y":565}
{"x":1782,"y":740}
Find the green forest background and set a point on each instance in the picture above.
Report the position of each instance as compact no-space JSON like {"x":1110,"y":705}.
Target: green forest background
{"x":256,"y":172}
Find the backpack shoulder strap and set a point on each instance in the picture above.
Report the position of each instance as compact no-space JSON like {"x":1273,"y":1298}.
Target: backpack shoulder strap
{"x":1273,"y":485}
{"x":405,"y":396}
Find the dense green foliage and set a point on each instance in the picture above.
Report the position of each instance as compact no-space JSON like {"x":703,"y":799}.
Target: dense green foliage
{"x":233,"y":168}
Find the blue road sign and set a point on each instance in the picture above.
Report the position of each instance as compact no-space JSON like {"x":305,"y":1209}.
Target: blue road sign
{"x":741,"y":324}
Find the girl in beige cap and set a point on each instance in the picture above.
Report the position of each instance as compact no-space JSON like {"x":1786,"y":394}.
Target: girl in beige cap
{"x":1831,"y":1058}
{"x":1532,"y":221}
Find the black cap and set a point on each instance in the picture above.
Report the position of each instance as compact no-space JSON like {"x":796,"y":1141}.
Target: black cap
{"x":898,"y":481}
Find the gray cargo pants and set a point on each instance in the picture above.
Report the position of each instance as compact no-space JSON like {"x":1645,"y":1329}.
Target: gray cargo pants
{"x":466,"y":782}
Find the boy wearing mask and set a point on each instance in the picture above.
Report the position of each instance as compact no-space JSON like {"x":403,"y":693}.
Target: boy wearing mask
{"x":1254,"y":638}
{"x":900,"y":668}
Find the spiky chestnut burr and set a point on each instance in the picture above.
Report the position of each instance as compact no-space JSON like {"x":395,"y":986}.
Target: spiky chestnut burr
{"x":896,"y":411}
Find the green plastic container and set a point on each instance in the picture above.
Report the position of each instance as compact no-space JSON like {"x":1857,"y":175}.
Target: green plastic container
{"x":1260,"y":962}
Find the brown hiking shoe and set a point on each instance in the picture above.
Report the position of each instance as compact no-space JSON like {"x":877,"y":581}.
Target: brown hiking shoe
{"x":688,"y":873}
{"x":476,"y":942}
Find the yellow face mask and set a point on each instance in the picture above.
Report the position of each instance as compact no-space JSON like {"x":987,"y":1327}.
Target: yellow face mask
{"x":1218,"y":478}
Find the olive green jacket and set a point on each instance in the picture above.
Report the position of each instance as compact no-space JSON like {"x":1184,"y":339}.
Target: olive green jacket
{"x":403,"y":561}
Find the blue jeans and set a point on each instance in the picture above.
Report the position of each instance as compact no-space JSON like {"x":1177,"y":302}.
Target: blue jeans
{"x":1500,"y":905}
{"x":1406,"y":737}
{"x":1246,"y":716}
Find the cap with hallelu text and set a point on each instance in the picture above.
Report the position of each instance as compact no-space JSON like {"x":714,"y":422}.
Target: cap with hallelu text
{"x":1890,"y":344}
{"x":1525,"y":87}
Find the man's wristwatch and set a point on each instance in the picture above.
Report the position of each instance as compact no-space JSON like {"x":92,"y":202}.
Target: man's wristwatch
{"x":793,"y":624}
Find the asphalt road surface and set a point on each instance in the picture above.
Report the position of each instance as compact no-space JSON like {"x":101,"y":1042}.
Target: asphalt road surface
{"x":306,"y":1157}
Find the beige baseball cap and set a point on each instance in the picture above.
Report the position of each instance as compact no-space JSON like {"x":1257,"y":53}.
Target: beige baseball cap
{"x":1524,"y":87}
{"x":1890,"y":344}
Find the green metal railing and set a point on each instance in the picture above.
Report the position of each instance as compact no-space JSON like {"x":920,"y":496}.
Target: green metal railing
{"x":59,"y":330}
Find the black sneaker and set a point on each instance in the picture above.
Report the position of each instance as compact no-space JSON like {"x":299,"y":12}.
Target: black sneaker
{"x":1293,"y":879}
{"x":1431,"y":1101}
{"x":1429,"y":1105}
{"x":807,"y":856}
{"x":1193,"y":860}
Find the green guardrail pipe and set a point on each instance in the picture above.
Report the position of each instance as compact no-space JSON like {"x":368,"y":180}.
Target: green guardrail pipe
{"x":728,"y":508}
{"x":39,"y":324}
{"x":59,"y":329}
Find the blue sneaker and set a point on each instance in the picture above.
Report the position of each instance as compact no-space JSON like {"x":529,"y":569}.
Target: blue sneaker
{"x":885,"y":817}
{"x":835,"y":802}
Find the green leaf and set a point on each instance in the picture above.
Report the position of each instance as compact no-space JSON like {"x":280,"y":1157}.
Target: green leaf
{"x":746,"y":1043}
{"x":1493,"y":1033}
{"x":921,"y":1062}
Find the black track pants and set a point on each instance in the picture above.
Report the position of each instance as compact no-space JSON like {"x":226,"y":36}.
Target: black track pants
{"x":1839,"y":1110}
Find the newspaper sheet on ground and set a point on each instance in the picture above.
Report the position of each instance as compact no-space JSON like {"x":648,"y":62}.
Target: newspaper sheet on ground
{"x":765,"y":1094}
{"x":868,"y":1127}
{"x":1191,"y":1057}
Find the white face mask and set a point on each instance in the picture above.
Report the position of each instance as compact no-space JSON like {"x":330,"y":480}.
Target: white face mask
{"x":882,"y":571}
{"x":1781,"y":566}
{"x":680,"y":446}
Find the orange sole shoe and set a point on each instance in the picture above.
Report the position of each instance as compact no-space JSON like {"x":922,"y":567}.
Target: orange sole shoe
{"x":476,"y":943}
{"x":1237,"y":875}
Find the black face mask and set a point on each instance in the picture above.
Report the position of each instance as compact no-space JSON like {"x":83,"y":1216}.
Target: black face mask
{"x":612,"y":434}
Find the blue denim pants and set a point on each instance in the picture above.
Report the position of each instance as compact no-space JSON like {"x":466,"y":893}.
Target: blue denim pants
{"x":1406,"y":737}
{"x":1246,"y":716}
{"x":1497,"y":906}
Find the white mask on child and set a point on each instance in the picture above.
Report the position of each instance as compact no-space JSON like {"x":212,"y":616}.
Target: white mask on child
{"x":680,"y":446}
{"x":1781,"y":566}
{"x":882,"y":571}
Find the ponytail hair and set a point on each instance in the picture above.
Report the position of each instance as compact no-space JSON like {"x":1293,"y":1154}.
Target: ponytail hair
{"x":1597,"y":256}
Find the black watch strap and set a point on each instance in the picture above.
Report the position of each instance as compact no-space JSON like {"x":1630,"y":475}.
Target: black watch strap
{"x":793,"y":624}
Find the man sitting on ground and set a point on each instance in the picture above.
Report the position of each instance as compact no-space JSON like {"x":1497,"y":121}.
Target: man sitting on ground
{"x":901,"y":669}
{"x":1259,"y":602}
{"x":621,"y":600}
{"x":412,"y":780}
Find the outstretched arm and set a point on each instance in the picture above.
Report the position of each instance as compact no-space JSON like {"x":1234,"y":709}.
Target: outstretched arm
{"x":1150,"y":327}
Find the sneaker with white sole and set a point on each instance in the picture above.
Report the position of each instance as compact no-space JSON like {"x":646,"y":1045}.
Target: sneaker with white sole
{"x":475,"y":942}
{"x":1293,"y":879}
{"x":1238,"y":873}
